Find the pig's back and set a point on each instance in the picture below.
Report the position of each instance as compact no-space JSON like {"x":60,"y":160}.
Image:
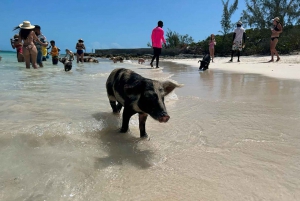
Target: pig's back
{"x":119,"y":78}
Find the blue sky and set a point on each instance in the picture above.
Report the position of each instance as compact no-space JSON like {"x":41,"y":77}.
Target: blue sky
{"x":112,"y":24}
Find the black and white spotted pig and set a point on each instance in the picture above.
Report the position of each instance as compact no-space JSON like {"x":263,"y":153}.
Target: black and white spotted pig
{"x":138,"y":95}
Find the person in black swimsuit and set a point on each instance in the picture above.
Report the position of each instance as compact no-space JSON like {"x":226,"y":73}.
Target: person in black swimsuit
{"x":274,"y":38}
{"x":80,"y":47}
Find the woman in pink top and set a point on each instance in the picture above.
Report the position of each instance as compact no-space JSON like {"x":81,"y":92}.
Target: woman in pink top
{"x":157,"y":37}
{"x":28,"y":36}
{"x":212,"y":43}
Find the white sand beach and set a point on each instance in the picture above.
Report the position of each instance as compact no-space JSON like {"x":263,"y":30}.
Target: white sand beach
{"x":287,"y":68}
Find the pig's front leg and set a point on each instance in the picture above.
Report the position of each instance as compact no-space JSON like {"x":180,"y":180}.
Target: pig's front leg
{"x":127,"y":113}
{"x":115,"y":107}
{"x":142,"y":124}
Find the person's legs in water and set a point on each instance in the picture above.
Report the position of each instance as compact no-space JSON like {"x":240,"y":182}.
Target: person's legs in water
{"x":154,"y":56}
{"x":30,"y":53}
{"x":81,"y":58}
{"x":26,"y":55}
{"x":39,"y":58}
{"x":157,"y":58}
{"x":20,"y":57}
{"x":157,"y":52}
{"x":33,"y":56}
{"x":54,"y":60}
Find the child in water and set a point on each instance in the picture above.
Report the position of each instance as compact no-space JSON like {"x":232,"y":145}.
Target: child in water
{"x":16,"y":45}
{"x":54,"y":52}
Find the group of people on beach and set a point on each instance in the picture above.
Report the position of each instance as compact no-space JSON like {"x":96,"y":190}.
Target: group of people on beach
{"x":32,"y":46}
{"x":239,"y":40}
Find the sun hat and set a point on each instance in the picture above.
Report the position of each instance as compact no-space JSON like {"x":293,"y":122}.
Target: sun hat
{"x":276,"y":19}
{"x":26,"y":25}
{"x":80,"y":39}
{"x":239,"y":23}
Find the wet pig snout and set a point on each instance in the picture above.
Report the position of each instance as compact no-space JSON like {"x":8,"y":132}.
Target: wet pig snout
{"x":164,"y":117}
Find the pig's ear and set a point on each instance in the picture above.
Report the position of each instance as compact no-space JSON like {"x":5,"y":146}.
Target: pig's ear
{"x":170,"y":86}
{"x":133,"y":88}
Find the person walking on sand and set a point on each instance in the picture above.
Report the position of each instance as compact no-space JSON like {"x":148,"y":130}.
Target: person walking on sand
{"x":212,"y":43}
{"x":18,"y":46}
{"x":39,"y":48}
{"x":157,"y":37}
{"x":28,"y":37}
{"x":239,"y":36}
{"x":80,"y":47}
{"x":276,"y":31}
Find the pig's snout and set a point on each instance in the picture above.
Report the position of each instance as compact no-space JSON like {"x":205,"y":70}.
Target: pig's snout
{"x":164,"y":117}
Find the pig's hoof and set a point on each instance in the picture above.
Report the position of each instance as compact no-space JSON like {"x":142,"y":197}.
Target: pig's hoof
{"x":123,"y":130}
{"x":145,"y":135}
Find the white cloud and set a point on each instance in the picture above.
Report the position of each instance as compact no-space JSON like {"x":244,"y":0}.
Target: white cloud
{"x":116,"y":45}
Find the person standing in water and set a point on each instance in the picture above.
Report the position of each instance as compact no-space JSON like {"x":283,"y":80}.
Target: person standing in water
{"x":212,"y":43}
{"x":39,"y":48}
{"x":80,"y":47}
{"x":54,"y":52}
{"x":28,"y":37}
{"x":157,"y":37}
{"x":18,"y":46}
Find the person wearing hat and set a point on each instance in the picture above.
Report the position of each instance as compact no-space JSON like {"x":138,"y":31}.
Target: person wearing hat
{"x":80,"y":47}
{"x":239,"y":36}
{"x":28,"y":37}
{"x":18,"y":46}
{"x":276,"y":31}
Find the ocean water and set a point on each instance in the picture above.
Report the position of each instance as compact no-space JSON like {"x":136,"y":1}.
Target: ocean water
{"x":230,"y":136}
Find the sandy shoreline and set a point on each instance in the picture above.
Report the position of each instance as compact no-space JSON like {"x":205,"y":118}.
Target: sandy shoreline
{"x":287,"y":68}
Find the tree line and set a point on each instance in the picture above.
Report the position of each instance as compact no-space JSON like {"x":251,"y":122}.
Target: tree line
{"x":257,"y":18}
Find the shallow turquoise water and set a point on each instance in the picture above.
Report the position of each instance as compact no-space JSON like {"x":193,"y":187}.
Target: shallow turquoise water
{"x":230,"y":136}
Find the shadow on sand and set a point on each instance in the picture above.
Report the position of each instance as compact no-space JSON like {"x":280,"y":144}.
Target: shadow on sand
{"x":121,"y":148}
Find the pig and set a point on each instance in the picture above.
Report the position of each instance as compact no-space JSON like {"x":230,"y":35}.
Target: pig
{"x":67,"y":63}
{"x":204,"y":63}
{"x":137,"y":94}
{"x":141,"y":60}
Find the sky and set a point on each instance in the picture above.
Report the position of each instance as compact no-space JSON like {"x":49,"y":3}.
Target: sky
{"x":112,"y":24}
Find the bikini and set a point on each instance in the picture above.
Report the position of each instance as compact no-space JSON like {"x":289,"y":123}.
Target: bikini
{"x":276,"y":29}
{"x":79,"y":46}
{"x":19,"y":48}
{"x":212,"y":44}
